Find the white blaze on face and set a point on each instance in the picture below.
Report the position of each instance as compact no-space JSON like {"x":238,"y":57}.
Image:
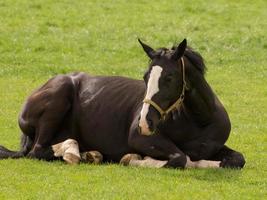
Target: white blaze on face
{"x":152,"y":89}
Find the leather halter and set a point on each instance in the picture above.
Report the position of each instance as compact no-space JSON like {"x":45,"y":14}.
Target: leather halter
{"x":176,"y":105}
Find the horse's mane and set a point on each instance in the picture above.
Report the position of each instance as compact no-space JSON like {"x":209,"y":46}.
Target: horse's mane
{"x":196,"y":59}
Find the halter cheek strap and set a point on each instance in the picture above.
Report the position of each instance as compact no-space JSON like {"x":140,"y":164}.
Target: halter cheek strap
{"x":176,"y":105}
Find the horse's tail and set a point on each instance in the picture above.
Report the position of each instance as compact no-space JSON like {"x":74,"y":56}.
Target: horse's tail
{"x":26,"y":145}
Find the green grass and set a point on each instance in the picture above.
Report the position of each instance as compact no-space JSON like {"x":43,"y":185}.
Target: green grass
{"x":39,"y":39}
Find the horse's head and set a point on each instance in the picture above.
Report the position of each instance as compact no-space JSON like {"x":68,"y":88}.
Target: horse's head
{"x":165,"y":85}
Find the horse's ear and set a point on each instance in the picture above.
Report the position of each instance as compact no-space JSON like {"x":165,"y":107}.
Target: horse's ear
{"x":149,"y":51}
{"x":179,"y":51}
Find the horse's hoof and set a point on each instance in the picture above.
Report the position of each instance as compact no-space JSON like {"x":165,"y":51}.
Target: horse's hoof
{"x":68,"y":145}
{"x":94,"y":157}
{"x":233,"y":163}
{"x":69,"y":150}
{"x":71,"y":158}
{"x":58,"y":150}
{"x":125,"y":160}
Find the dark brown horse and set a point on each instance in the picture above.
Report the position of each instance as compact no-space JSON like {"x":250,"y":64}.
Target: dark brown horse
{"x":173,"y":116}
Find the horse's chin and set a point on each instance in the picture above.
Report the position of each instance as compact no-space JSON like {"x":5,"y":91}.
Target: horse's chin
{"x":144,"y":132}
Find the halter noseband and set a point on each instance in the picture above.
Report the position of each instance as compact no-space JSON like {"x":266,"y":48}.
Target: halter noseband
{"x":176,"y":105}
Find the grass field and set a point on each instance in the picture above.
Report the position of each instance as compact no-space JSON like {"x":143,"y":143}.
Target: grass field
{"x":39,"y":39}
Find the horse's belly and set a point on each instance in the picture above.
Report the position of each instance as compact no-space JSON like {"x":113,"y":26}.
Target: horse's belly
{"x":106,"y":132}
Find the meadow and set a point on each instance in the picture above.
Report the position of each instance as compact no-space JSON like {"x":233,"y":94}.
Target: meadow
{"x":39,"y":39}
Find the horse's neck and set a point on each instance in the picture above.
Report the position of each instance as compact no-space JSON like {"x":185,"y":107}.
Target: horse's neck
{"x":199,"y":101}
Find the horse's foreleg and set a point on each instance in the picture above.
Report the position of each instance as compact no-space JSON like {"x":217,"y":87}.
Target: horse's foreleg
{"x":229,"y":158}
{"x":157,"y":147}
{"x":136,"y":160}
{"x":202,"y":163}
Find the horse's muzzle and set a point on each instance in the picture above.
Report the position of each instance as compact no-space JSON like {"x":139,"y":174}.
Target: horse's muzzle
{"x":144,"y":131}
{"x":144,"y":128}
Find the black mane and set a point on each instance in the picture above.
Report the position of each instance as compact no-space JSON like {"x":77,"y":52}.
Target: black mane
{"x":196,"y":59}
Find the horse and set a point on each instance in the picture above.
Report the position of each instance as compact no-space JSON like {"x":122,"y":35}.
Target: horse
{"x":171,"y":118}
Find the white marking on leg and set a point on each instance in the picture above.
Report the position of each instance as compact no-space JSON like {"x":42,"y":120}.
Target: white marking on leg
{"x":69,"y":150}
{"x":125,"y":160}
{"x":202,"y":163}
{"x":152,"y":89}
{"x":149,"y":162}
{"x":137,"y":161}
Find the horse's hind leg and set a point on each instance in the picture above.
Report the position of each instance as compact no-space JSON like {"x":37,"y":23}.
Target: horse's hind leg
{"x":229,"y":158}
{"x":68,"y":150}
{"x":46,"y":111}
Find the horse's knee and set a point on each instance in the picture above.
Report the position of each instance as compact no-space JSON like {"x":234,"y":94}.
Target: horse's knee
{"x":177,"y":160}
